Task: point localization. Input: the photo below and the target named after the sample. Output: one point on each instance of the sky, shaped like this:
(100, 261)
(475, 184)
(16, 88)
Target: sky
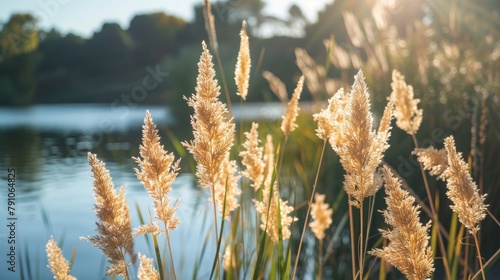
(86, 17)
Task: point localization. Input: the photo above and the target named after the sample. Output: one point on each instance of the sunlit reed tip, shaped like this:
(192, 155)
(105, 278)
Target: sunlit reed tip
(56, 261)
(288, 125)
(322, 216)
(243, 64)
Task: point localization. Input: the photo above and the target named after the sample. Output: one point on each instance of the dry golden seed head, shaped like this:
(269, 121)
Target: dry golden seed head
(433, 160)
(227, 188)
(276, 85)
(462, 191)
(252, 157)
(269, 208)
(157, 173)
(359, 147)
(56, 261)
(213, 132)
(288, 125)
(114, 228)
(409, 249)
(322, 216)
(227, 259)
(243, 64)
(408, 117)
(146, 269)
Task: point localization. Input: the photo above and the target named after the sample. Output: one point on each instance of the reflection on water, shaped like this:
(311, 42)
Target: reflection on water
(48, 148)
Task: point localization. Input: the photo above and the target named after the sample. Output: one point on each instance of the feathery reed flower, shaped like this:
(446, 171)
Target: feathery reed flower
(269, 208)
(227, 259)
(213, 133)
(57, 263)
(360, 148)
(288, 125)
(408, 117)
(322, 215)
(252, 157)
(114, 228)
(433, 160)
(158, 171)
(271, 205)
(462, 191)
(331, 117)
(226, 189)
(408, 249)
(276, 85)
(243, 64)
(146, 269)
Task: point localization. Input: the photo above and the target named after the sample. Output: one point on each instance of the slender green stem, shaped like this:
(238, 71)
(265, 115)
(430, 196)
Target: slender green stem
(466, 256)
(434, 215)
(216, 260)
(158, 257)
(170, 251)
(361, 264)
(474, 233)
(320, 260)
(308, 211)
(351, 227)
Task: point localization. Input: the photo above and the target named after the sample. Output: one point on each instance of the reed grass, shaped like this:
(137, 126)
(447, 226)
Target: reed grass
(260, 195)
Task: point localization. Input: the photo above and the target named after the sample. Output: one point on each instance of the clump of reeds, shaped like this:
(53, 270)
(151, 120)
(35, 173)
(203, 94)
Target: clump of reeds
(409, 249)
(56, 261)
(114, 228)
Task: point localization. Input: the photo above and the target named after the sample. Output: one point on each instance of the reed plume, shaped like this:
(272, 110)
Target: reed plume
(226, 189)
(146, 269)
(288, 125)
(243, 64)
(252, 157)
(276, 85)
(408, 117)
(157, 172)
(271, 204)
(462, 191)
(331, 117)
(56, 261)
(114, 228)
(408, 249)
(227, 259)
(360, 148)
(433, 160)
(269, 208)
(213, 132)
(322, 216)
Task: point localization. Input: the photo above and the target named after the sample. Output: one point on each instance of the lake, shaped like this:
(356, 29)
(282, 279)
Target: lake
(47, 146)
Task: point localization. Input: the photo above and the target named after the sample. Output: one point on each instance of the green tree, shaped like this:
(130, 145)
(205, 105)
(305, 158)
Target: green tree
(20, 57)
(155, 36)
